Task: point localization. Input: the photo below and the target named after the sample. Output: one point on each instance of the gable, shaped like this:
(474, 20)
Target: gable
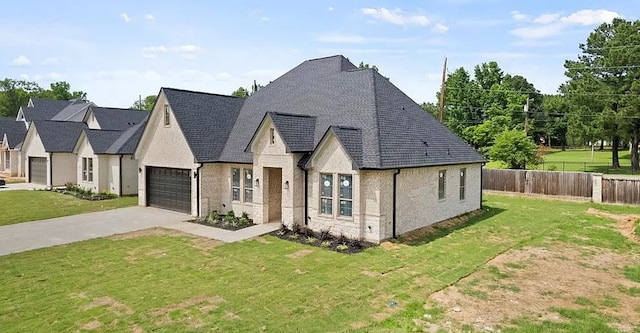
(33, 145)
(163, 146)
(91, 121)
(83, 147)
(261, 143)
(331, 156)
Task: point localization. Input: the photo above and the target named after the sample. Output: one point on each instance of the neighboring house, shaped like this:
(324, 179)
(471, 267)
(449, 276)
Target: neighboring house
(113, 118)
(326, 145)
(105, 160)
(48, 150)
(11, 136)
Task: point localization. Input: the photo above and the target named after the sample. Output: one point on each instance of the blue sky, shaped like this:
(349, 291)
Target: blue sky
(117, 50)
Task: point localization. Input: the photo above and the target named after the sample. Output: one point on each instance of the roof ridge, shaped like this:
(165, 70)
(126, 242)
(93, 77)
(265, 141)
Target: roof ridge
(377, 113)
(114, 108)
(327, 57)
(292, 114)
(199, 92)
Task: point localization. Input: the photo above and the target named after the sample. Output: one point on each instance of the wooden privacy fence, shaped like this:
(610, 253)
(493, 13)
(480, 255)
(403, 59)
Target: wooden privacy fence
(569, 184)
(621, 190)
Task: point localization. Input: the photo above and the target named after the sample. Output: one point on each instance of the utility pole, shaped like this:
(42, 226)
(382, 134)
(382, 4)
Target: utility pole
(526, 116)
(442, 90)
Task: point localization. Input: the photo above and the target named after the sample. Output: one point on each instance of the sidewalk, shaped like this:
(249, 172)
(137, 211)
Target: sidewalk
(223, 235)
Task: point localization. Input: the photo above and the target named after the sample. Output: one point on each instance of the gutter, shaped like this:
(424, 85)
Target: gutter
(50, 170)
(395, 190)
(197, 176)
(481, 193)
(306, 197)
(120, 176)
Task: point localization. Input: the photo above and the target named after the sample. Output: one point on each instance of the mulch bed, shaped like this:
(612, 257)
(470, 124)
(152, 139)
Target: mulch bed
(322, 239)
(222, 224)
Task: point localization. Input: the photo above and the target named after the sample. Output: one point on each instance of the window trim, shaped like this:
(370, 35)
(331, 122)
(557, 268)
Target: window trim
(7, 160)
(321, 197)
(87, 169)
(340, 198)
(442, 185)
(247, 185)
(167, 116)
(233, 186)
(463, 184)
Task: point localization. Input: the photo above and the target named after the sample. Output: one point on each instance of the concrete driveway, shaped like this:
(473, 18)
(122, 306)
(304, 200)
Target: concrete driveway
(63, 230)
(21, 186)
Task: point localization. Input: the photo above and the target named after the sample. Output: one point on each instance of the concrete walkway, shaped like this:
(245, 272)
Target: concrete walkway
(21, 186)
(63, 230)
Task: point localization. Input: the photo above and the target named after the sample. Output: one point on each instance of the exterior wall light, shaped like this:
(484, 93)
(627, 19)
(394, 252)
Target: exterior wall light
(286, 185)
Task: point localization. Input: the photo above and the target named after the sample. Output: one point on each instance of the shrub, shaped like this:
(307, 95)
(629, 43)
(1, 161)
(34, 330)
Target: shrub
(311, 240)
(69, 186)
(342, 247)
(325, 234)
(245, 215)
(214, 216)
(515, 149)
(325, 244)
(231, 216)
(297, 229)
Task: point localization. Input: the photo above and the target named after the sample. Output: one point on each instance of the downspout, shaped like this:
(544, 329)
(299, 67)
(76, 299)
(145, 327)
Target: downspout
(481, 191)
(120, 176)
(198, 189)
(395, 190)
(50, 169)
(306, 197)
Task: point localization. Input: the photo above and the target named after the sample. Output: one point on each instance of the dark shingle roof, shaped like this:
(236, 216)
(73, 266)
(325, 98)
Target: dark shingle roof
(101, 140)
(118, 119)
(393, 128)
(296, 130)
(351, 140)
(114, 142)
(15, 131)
(58, 136)
(205, 120)
(43, 109)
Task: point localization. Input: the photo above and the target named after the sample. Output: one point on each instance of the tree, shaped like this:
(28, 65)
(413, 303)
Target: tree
(515, 149)
(61, 90)
(601, 81)
(241, 92)
(362, 65)
(14, 94)
(555, 112)
(431, 108)
(146, 104)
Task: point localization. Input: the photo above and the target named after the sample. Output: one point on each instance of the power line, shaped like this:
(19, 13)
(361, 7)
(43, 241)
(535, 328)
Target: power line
(538, 92)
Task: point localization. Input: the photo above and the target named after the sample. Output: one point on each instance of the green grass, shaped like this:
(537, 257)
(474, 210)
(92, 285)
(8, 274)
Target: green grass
(253, 286)
(22, 205)
(579, 160)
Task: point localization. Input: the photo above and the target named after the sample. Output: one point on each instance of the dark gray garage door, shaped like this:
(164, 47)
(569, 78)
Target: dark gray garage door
(169, 189)
(38, 170)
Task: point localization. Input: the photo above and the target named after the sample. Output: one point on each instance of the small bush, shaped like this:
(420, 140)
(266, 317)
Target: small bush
(230, 216)
(342, 247)
(214, 216)
(324, 234)
(311, 240)
(297, 229)
(325, 244)
(244, 215)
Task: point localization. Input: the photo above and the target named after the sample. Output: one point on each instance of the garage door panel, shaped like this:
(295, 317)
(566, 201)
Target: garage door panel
(38, 170)
(169, 188)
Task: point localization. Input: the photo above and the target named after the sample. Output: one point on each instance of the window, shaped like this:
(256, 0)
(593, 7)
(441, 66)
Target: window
(272, 136)
(248, 189)
(235, 184)
(463, 182)
(7, 160)
(442, 178)
(346, 195)
(326, 193)
(87, 169)
(167, 115)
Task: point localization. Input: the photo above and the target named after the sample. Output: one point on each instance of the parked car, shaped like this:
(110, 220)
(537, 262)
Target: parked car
(2, 182)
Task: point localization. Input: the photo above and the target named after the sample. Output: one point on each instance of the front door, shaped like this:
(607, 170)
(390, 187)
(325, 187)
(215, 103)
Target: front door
(275, 194)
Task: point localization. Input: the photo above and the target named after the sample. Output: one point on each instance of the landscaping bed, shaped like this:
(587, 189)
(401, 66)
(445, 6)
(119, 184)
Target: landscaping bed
(227, 222)
(322, 238)
(84, 194)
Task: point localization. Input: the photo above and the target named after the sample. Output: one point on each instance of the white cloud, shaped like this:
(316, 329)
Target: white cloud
(188, 52)
(538, 31)
(547, 18)
(154, 49)
(149, 17)
(340, 38)
(395, 16)
(50, 62)
(149, 55)
(330, 8)
(21, 61)
(440, 28)
(516, 15)
(590, 17)
(125, 17)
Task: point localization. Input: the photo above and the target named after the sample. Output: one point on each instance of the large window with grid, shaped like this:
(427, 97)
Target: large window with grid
(248, 189)
(346, 195)
(463, 182)
(326, 193)
(442, 179)
(87, 169)
(235, 184)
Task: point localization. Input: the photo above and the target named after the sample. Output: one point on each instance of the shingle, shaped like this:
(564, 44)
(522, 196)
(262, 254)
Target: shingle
(205, 119)
(15, 131)
(118, 119)
(44, 109)
(296, 130)
(393, 128)
(351, 140)
(127, 142)
(58, 136)
(75, 111)
(101, 140)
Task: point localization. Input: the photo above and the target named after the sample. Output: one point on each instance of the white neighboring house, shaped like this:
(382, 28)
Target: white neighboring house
(11, 136)
(105, 160)
(48, 150)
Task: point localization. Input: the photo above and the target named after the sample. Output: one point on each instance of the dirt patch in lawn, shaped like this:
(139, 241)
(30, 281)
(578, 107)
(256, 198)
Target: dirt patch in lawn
(92, 325)
(204, 304)
(113, 305)
(147, 233)
(625, 223)
(531, 281)
(205, 244)
(299, 254)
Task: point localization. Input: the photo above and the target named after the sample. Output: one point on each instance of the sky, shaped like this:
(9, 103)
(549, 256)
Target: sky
(118, 50)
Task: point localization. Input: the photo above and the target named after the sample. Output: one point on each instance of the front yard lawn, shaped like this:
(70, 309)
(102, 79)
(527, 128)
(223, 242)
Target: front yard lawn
(23, 206)
(520, 249)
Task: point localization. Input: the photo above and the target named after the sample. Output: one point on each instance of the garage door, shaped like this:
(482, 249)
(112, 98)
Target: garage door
(169, 189)
(38, 170)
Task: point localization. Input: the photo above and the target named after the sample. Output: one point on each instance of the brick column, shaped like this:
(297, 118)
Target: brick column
(596, 194)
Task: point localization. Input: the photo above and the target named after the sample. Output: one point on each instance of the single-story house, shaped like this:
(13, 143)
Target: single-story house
(105, 160)
(12, 134)
(113, 118)
(48, 150)
(326, 145)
